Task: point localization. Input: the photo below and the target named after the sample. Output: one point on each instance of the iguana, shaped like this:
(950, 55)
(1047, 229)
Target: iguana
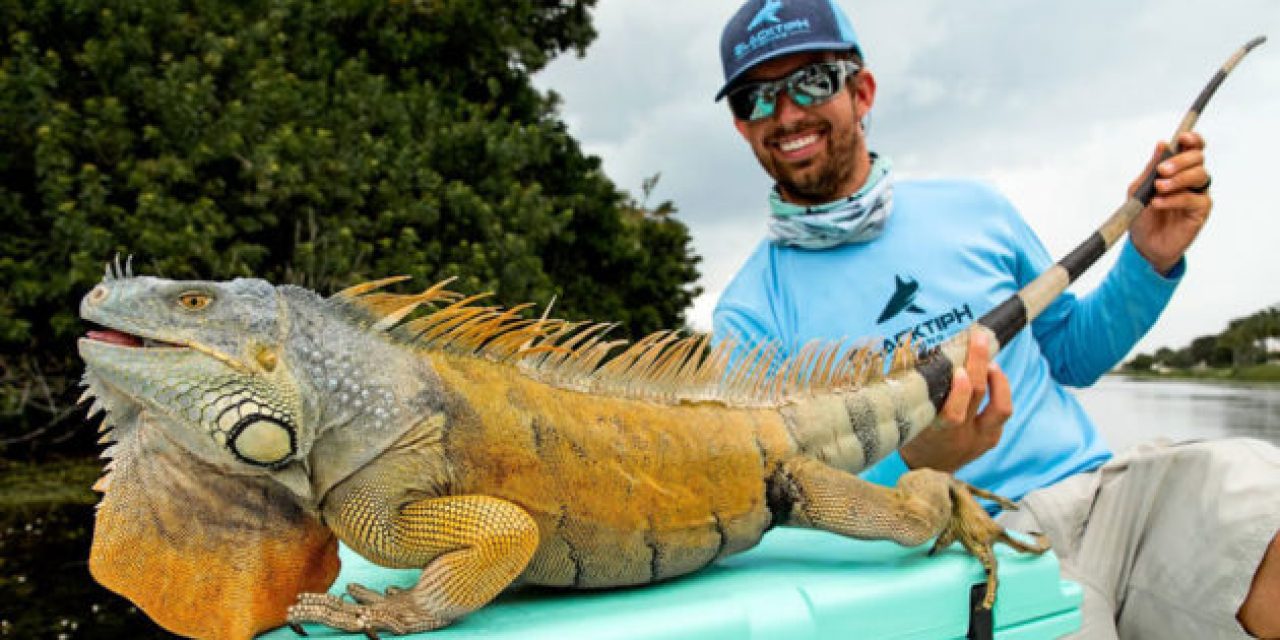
(251, 426)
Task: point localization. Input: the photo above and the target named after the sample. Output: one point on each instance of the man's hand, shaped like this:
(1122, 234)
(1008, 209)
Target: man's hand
(960, 434)
(1165, 229)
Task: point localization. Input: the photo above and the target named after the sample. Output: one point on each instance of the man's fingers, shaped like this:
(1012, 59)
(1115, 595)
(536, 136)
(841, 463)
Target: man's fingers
(1155, 157)
(956, 408)
(1190, 154)
(1183, 161)
(968, 383)
(1192, 178)
(1000, 405)
(976, 366)
(1190, 140)
(1001, 391)
(976, 362)
(1185, 202)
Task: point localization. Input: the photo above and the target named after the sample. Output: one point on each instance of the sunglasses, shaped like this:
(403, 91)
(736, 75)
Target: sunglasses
(810, 85)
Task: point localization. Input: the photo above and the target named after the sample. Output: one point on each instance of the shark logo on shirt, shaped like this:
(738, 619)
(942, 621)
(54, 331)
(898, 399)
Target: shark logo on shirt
(925, 334)
(903, 299)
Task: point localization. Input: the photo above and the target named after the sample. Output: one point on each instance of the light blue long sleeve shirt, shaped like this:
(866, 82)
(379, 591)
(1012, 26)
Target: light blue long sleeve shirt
(950, 252)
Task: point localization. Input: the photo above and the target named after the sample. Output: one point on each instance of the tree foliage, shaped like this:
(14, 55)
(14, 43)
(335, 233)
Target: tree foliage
(315, 142)
(1246, 338)
(1242, 344)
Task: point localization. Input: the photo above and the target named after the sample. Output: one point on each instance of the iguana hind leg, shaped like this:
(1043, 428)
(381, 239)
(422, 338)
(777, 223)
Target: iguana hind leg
(471, 548)
(925, 504)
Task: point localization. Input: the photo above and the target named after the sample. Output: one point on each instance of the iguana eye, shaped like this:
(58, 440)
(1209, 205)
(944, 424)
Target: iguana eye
(194, 300)
(262, 440)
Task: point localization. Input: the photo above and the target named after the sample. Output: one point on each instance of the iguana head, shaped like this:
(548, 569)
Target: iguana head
(232, 408)
(204, 359)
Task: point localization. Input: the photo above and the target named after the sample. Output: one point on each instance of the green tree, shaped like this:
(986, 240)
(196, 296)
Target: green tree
(1207, 349)
(1140, 362)
(1246, 337)
(316, 142)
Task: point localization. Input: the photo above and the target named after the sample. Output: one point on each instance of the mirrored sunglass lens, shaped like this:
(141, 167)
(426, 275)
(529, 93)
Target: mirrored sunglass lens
(803, 99)
(816, 85)
(743, 102)
(764, 106)
(753, 103)
(818, 82)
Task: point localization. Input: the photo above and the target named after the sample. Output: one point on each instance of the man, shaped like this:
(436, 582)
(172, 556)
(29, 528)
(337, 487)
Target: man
(1168, 541)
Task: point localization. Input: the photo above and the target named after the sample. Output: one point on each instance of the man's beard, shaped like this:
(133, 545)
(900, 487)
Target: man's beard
(825, 184)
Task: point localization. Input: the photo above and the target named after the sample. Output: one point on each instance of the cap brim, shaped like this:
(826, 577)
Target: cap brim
(830, 45)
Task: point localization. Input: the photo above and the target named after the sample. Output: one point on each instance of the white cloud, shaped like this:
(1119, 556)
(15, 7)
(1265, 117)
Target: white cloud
(1058, 104)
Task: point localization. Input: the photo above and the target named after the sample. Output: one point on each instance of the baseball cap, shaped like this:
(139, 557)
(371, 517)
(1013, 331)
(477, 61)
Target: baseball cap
(765, 29)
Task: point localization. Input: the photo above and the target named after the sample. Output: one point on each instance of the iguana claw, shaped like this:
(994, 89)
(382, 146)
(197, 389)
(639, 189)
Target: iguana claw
(973, 528)
(372, 612)
(364, 595)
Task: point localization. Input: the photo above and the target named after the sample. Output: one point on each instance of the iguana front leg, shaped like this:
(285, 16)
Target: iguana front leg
(925, 504)
(471, 548)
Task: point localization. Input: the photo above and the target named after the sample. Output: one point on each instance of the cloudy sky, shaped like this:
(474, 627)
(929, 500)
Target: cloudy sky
(1057, 104)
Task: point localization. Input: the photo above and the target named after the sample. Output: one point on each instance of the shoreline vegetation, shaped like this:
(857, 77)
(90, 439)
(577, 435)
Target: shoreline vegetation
(36, 485)
(1260, 373)
(1248, 350)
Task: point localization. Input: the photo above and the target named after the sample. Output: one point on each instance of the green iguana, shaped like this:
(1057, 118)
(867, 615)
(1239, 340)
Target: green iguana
(251, 426)
(254, 423)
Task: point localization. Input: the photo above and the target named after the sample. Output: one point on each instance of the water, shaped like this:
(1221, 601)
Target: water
(1129, 410)
(46, 591)
(45, 587)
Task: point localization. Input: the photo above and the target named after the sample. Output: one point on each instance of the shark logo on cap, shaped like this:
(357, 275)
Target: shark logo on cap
(762, 30)
(767, 13)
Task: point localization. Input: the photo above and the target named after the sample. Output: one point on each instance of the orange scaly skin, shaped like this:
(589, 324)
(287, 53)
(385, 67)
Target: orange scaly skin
(132, 554)
(616, 491)
(624, 491)
(568, 489)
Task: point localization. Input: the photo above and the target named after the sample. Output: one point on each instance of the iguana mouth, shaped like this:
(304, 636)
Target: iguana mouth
(126, 340)
(120, 338)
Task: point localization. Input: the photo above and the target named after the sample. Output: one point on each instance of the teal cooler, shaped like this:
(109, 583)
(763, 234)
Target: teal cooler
(796, 585)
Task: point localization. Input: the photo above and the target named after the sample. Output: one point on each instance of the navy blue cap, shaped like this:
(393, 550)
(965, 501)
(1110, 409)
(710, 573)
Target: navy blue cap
(766, 29)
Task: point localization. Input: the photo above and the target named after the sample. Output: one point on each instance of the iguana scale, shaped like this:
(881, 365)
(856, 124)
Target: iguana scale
(251, 426)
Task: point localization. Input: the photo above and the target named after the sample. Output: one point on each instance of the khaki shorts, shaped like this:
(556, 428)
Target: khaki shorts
(1164, 539)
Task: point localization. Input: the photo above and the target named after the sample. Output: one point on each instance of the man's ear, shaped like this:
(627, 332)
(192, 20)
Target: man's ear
(864, 93)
